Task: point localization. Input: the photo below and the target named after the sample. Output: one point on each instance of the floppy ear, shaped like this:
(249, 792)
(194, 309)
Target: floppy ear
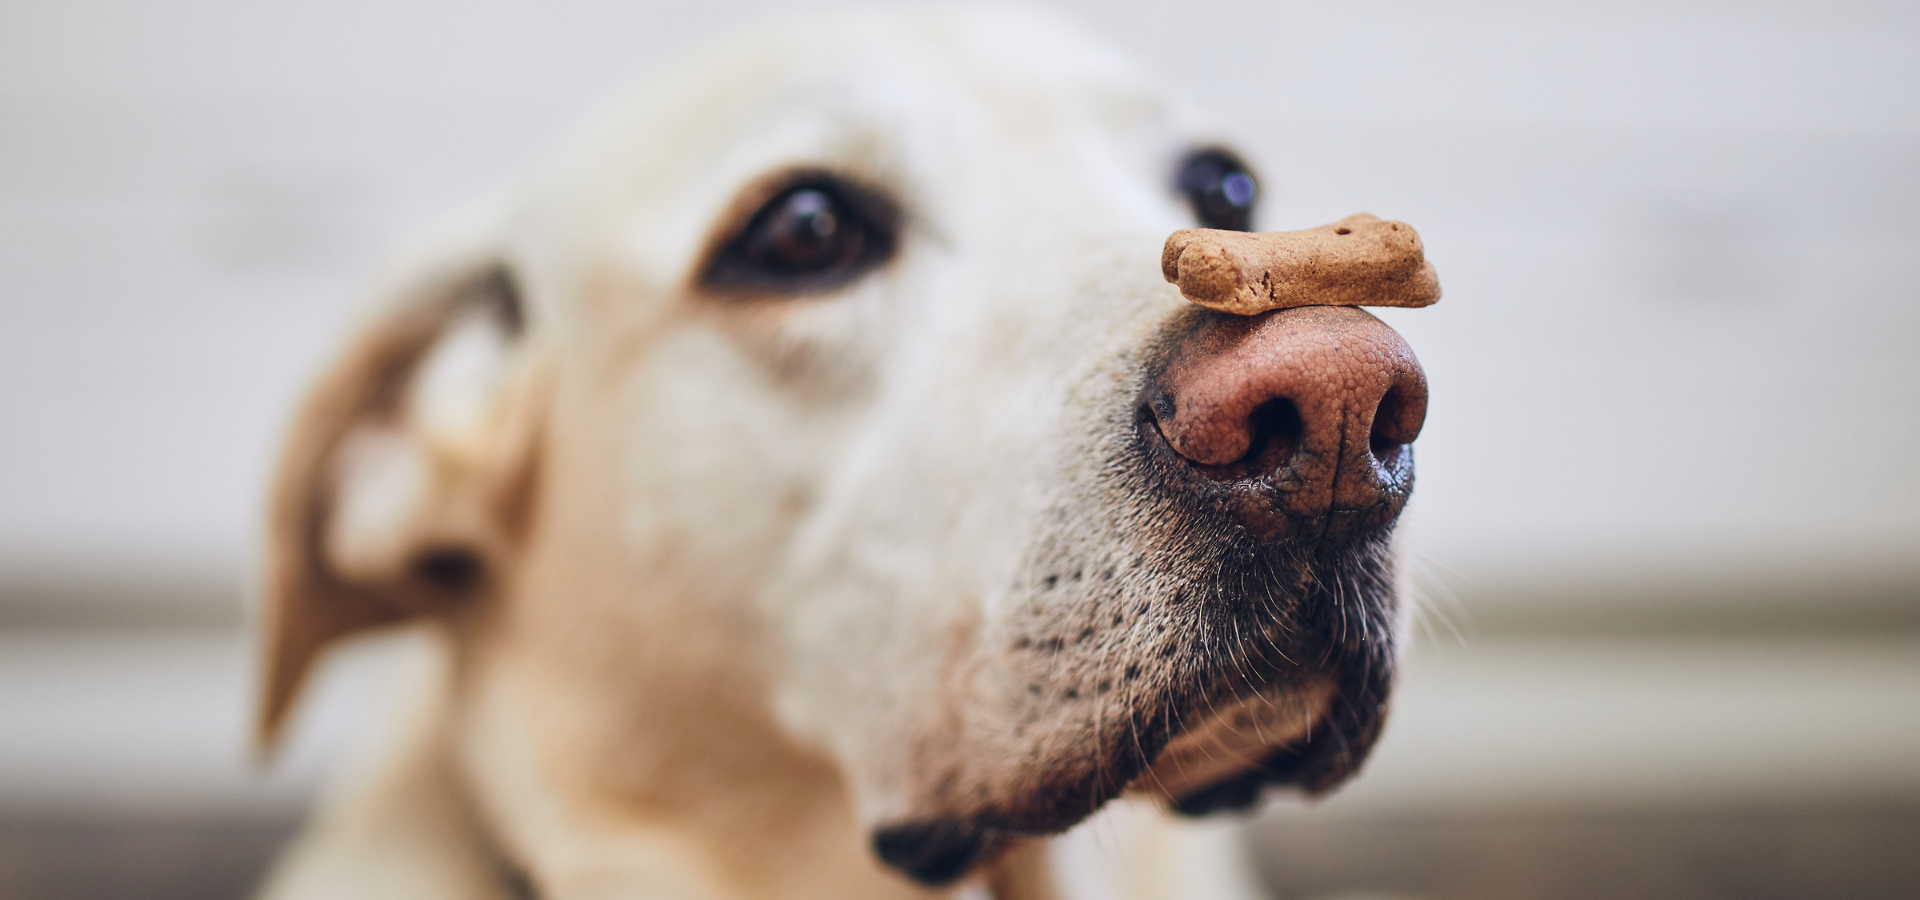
(406, 482)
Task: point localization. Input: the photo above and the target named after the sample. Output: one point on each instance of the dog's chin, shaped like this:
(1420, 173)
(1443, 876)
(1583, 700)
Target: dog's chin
(1226, 759)
(1297, 701)
(1230, 762)
(1237, 739)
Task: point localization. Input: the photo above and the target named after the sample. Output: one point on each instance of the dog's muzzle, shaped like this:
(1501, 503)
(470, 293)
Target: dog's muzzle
(1287, 433)
(1268, 462)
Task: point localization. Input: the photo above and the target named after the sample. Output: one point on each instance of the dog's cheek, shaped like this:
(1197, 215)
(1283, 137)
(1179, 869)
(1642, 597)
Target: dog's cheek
(1043, 725)
(719, 462)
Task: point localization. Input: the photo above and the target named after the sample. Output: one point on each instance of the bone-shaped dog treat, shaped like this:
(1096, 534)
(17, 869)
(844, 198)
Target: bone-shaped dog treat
(1361, 260)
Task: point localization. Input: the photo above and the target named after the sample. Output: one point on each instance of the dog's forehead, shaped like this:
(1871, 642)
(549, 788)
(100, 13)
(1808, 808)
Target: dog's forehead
(920, 104)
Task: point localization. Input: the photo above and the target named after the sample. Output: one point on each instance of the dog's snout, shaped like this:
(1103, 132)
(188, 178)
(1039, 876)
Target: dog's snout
(1313, 406)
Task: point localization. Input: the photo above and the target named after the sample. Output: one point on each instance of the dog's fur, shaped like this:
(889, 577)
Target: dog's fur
(734, 594)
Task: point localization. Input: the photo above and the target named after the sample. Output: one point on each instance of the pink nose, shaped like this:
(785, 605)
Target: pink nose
(1313, 405)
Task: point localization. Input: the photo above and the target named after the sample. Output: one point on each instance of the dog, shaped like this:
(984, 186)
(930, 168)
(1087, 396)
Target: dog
(806, 485)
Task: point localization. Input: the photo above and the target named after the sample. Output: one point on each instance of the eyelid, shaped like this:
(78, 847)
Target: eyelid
(871, 208)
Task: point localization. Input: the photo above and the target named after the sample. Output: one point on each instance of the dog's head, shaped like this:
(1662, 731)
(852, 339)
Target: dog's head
(823, 411)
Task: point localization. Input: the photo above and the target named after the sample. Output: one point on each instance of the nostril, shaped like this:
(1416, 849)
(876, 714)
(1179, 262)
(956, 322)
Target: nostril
(1391, 428)
(1343, 231)
(1162, 406)
(1275, 424)
(1383, 448)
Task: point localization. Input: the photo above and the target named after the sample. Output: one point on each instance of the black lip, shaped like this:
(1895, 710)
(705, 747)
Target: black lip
(934, 853)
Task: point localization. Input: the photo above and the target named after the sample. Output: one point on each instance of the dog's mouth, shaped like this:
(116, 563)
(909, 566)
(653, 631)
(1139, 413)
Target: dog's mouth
(1275, 718)
(1311, 737)
(1296, 699)
(1238, 739)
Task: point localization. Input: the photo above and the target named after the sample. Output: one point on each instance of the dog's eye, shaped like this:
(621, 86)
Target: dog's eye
(1220, 189)
(817, 234)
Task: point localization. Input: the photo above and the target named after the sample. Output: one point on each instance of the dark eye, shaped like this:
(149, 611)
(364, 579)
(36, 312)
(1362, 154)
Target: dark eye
(1220, 189)
(818, 233)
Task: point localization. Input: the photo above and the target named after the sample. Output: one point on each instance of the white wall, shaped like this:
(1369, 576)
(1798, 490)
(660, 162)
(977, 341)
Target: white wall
(1678, 244)
(1674, 368)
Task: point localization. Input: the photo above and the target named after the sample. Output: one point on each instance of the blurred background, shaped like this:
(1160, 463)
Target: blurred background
(1668, 525)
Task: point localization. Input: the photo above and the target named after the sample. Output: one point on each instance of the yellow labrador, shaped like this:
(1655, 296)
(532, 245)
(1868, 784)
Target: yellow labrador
(810, 486)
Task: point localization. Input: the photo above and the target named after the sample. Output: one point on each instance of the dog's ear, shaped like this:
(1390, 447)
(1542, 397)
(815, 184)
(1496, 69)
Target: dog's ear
(406, 482)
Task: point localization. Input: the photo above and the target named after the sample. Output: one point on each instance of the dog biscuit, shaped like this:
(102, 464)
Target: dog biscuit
(1361, 260)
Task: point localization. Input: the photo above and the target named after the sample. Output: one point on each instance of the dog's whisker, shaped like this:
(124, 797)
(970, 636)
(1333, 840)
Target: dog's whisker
(1432, 599)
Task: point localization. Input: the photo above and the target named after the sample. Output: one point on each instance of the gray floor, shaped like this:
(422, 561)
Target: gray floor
(78, 859)
(1771, 855)
(1821, 803)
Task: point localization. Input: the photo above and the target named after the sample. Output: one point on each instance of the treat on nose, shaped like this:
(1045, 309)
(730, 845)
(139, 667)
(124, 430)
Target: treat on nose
(1360, 260)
